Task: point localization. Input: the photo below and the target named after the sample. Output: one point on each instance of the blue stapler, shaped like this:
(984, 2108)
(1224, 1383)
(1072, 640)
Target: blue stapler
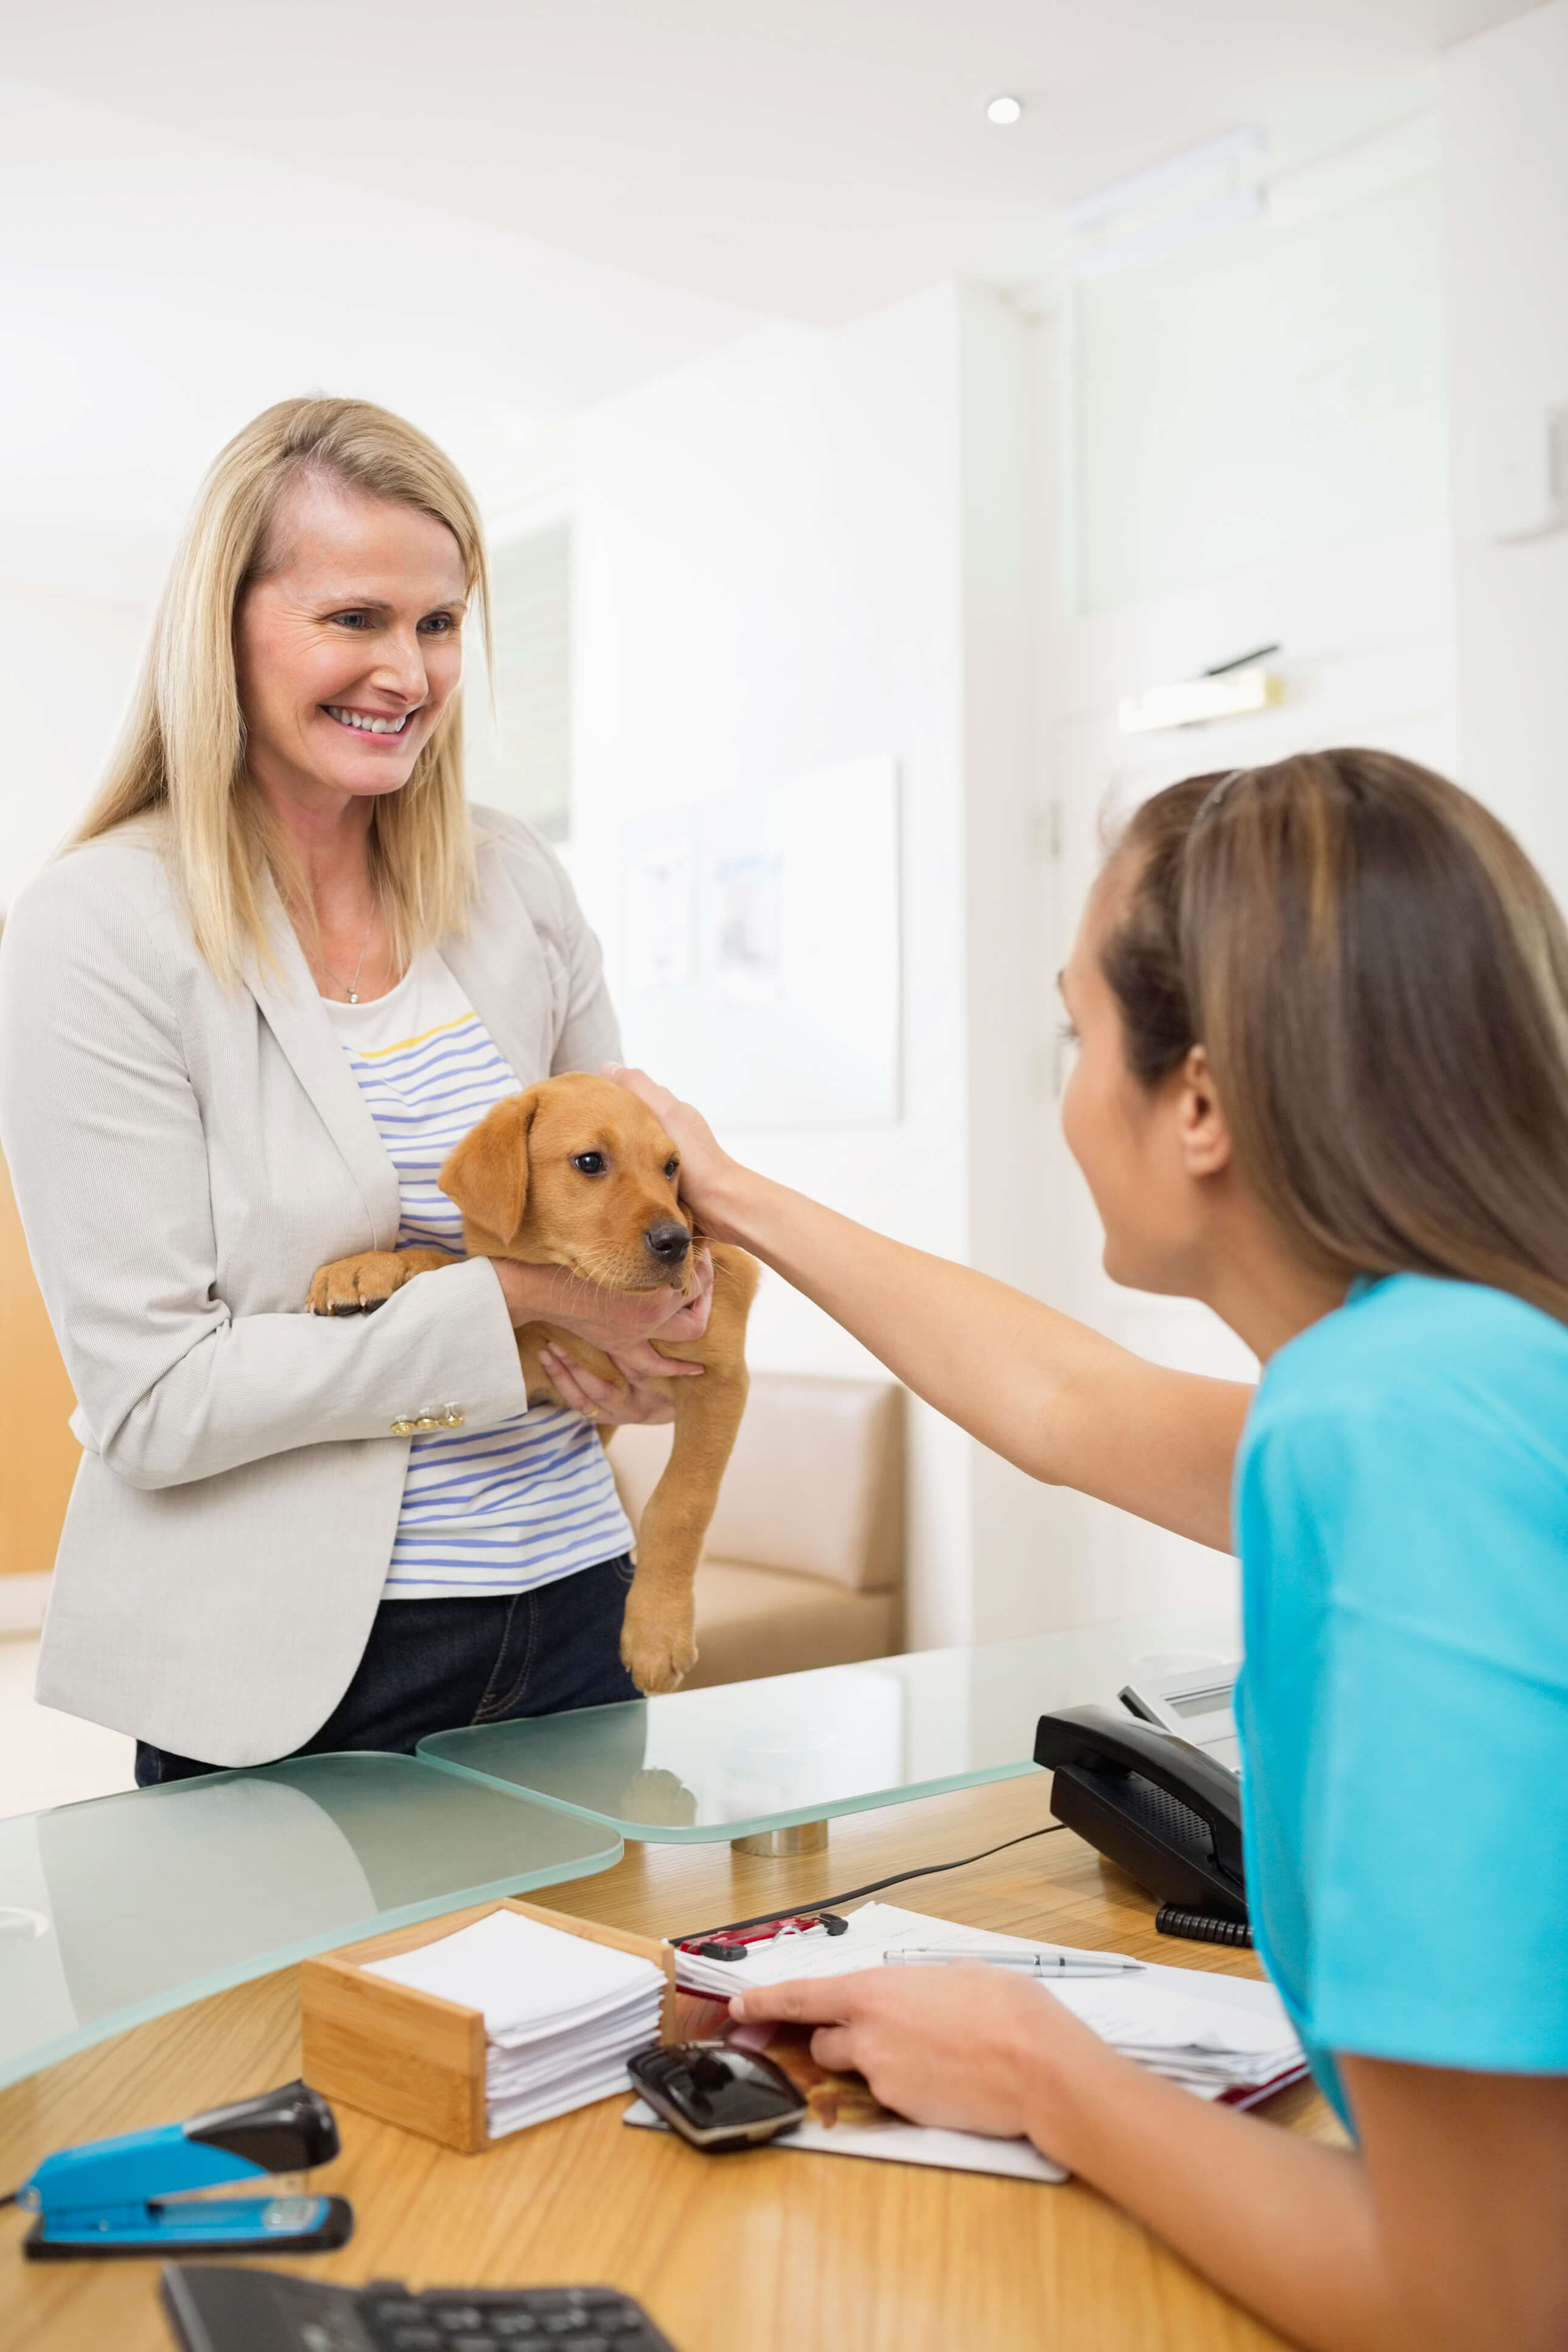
(123, 2195)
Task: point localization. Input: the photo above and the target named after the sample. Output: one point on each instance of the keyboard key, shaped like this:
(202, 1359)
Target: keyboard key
(415, 2339)
(455, 2319)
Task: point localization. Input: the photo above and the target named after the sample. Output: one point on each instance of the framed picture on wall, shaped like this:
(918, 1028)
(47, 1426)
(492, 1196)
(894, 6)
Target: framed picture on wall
(759, 944)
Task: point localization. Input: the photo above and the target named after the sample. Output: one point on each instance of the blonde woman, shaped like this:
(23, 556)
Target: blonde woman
(282, 968)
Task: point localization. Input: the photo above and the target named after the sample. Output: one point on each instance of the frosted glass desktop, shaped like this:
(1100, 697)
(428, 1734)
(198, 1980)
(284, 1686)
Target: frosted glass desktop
(126, 1907)
(743, 1760)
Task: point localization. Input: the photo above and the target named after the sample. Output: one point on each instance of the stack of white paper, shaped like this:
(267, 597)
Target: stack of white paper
(1222, 2036)
(562, 2015)
(1209, 2046)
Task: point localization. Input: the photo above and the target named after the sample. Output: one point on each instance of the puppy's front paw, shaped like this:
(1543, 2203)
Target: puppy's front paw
(658, 1643)
(358, 1286)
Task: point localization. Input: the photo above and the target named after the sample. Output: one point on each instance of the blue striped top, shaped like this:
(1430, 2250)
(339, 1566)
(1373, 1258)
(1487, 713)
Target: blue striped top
(529, 1499)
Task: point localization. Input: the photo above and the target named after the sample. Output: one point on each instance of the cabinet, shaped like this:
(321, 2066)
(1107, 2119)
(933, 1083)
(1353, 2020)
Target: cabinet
(37, 1453)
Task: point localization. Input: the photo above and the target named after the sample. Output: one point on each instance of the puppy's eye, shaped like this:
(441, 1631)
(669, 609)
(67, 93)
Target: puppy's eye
(670, 1165)
(588, 1163)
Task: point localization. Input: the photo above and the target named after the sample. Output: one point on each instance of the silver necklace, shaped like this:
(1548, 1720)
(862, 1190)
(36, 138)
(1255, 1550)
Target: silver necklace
(351, 987)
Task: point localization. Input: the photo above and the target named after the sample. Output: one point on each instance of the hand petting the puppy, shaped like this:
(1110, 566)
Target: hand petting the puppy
(703, 1165)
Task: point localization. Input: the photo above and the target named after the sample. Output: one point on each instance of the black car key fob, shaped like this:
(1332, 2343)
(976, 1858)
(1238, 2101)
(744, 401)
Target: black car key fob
(715, 2096)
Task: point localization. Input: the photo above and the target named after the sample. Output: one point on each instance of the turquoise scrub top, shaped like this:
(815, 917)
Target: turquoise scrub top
(1401, 1508)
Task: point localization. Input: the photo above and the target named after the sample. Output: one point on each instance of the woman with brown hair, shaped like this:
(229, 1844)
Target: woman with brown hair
(1322, 1085)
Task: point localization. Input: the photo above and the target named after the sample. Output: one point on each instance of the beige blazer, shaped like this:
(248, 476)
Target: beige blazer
(184, 1157)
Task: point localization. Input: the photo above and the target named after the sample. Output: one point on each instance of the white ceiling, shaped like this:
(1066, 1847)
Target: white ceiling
(157, 290)
(806, 157)
(494, 214)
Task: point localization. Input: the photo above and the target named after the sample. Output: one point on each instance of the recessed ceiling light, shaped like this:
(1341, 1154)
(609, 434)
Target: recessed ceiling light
(1004, 109)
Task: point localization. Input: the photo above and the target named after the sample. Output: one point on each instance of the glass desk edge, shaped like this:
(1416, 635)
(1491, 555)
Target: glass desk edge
(821, 1809)
(20, 2066)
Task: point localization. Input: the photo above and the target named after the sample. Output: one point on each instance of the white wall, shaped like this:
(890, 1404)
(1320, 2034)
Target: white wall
(67, 664)
(155, 291)
(1505, 114)
(802, 549)
(1270, 390)
(1254, 451)
(1011, 504)
(938, 534)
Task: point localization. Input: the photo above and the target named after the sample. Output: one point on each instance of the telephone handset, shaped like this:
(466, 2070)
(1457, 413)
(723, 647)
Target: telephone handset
(1161, 1808)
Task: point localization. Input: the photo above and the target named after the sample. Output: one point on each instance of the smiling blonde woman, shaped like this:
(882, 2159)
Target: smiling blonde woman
(282, 970)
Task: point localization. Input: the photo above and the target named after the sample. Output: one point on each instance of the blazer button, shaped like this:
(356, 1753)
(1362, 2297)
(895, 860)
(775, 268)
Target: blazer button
(450, 1417)
(403, 1429)
(426, 1421)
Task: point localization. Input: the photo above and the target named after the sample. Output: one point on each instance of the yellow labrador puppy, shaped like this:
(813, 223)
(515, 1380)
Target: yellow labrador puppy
(577, 1172)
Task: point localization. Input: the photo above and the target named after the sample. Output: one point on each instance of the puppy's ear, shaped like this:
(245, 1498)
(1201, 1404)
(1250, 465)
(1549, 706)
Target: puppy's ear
(487, 1173)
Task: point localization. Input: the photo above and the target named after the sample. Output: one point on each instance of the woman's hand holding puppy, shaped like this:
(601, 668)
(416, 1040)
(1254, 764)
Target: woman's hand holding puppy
(621, 1322)
(637, 1396)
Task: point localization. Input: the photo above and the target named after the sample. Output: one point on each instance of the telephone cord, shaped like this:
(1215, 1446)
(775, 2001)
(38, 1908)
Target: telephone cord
(851, 1894)
(1198, 1927)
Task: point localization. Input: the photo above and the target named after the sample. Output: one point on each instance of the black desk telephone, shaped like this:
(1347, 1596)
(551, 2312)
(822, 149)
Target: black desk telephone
(1166, 1811)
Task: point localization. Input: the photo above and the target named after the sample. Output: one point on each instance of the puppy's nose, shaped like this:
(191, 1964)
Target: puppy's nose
(669, 1243)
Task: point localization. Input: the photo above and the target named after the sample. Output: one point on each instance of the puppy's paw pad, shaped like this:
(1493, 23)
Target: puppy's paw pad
(657, 1661)
(356, 1286)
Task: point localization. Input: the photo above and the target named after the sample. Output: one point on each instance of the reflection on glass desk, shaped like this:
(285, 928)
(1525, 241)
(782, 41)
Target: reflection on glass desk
(118, 1909)
(743, 1758)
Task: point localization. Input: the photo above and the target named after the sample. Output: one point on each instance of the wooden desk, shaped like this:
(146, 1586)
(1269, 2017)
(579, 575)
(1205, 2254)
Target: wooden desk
(767, 2251)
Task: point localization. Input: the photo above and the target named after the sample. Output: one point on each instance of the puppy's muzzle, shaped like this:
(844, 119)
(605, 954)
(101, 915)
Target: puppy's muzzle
(669, 1244)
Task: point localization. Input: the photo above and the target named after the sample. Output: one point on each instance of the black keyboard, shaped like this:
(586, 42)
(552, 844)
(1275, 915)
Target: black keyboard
(221, 2308)
(577, 2318)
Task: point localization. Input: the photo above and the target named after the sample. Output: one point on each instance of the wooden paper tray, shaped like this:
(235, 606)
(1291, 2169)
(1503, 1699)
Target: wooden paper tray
(412, 2058)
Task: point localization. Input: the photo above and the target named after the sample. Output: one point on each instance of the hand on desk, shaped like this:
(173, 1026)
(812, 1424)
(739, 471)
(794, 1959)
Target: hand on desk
(1445, 2230)
(965, 2049)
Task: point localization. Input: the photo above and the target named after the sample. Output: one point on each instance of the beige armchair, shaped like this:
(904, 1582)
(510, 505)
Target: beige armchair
(805, 1560)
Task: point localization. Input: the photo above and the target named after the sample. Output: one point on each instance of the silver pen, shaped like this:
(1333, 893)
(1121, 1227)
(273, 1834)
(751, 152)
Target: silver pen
(1035, 1964)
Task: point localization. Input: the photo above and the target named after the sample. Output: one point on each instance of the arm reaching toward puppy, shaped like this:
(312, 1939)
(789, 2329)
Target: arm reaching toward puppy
(1062, 1401)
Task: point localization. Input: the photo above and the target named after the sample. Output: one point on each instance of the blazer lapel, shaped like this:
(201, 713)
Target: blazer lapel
(510, 991)
(292, 1010)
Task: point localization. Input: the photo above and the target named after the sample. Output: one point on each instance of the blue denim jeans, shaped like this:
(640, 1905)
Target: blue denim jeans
(440, 1665)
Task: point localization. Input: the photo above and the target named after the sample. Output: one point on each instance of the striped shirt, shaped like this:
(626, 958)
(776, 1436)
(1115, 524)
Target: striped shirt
(529, 1499)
